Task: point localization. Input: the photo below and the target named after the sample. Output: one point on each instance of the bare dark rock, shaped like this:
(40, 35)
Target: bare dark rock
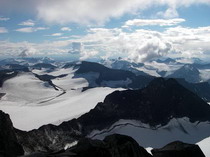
(178, 149)
(9, 147)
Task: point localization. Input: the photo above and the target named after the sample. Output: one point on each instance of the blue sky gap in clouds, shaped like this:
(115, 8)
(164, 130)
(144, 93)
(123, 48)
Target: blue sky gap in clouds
(137, 30)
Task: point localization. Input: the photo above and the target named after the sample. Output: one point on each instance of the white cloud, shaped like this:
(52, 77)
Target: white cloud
(169, 13)
(65, 29)
(137, 45)
(90, 11)
(100, 11)
(85, 54)
(3, 30)
(4, 18)
(31, 29)
(29, 51)
(55, 35)
(28, 23)
(14, 49)
(152, 22)
(76, 48)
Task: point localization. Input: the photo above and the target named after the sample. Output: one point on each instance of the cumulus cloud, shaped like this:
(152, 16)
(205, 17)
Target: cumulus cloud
(150, 49)
(76, 47)
(4, 18)
(138, 45)
(14, 49)
(85, 54)
(90, 11)
(100, 11)
(27, 23)
(169, 13)
(28, 52)
(65, 29)
(3, 30)
(152, 22)
(55, 35)
(30, 29)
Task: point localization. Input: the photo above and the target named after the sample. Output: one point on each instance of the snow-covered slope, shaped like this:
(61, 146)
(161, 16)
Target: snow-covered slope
(31, 104)
(156, 137)
(26, 89)
(205, 145)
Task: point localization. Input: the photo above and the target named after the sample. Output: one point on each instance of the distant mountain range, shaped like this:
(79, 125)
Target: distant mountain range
(155, 102)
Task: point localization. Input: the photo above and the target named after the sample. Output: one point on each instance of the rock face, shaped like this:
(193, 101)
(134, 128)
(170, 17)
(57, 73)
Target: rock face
(105, 74)
(189, 72)
(112, 146)
(178, 149)
(124, 146)
(9, 147)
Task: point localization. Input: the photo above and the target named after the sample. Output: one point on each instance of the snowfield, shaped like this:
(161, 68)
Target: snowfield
(31, 104)
(156, 137)
(26, 89)
(205, 145)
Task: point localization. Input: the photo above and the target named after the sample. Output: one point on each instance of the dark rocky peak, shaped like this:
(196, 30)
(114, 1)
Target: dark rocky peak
(156, 103)
(6, 74)
(202, 89)
(167, 60)
(189, 72)
(47, 60)
(86, 67)
(17, 67)
(112, 146)
(121, 145)
(43, 65)
(178, 149)
(69, 65)
(9, 147)
(105, 74)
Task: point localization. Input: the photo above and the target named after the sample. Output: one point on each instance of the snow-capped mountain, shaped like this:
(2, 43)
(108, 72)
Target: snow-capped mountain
(163, 111)
(143, 105)
(188, 72)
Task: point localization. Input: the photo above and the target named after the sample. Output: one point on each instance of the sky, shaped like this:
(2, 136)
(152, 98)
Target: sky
(136, 30)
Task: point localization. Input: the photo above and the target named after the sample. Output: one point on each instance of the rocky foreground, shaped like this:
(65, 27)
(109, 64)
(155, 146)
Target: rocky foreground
(112, 146)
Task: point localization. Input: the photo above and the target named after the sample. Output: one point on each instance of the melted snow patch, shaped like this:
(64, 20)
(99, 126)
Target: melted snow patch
(69, 145)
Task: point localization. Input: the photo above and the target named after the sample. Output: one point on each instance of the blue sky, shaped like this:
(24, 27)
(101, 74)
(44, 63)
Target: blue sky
(137, 30)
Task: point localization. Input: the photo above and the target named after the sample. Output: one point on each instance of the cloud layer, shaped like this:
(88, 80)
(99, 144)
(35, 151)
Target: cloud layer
(153, 22)
(91, 11)
(140, 45)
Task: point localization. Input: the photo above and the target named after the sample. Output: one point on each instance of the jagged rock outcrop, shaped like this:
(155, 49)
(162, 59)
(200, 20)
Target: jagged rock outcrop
(178, 149)
(112, 146)
(9, 147)
(124, 146)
